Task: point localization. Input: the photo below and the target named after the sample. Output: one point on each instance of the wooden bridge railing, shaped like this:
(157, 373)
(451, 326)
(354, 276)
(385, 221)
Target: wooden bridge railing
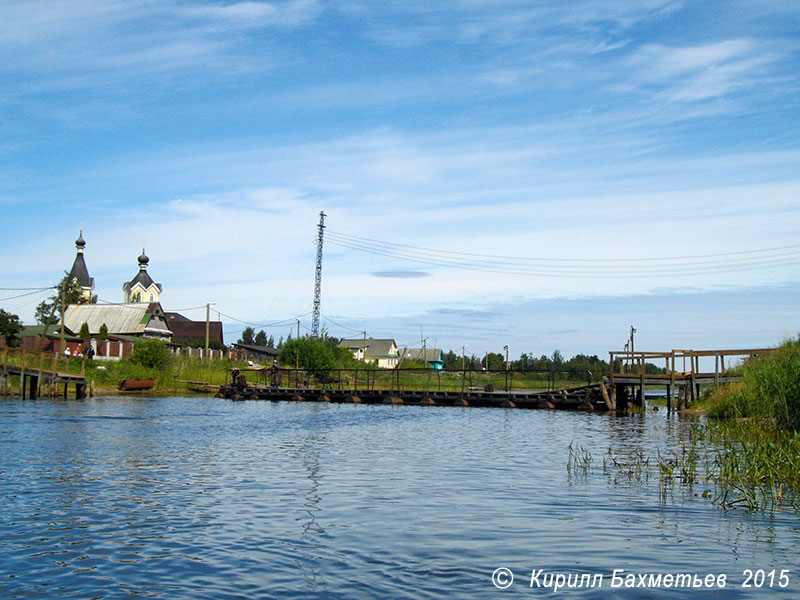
(679, 365)
(43, 363)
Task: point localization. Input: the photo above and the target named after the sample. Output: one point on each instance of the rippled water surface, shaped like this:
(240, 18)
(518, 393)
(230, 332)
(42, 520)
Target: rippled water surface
(205, 498)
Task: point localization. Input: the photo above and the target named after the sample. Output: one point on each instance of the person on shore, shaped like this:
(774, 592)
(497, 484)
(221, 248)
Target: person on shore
(276, 374)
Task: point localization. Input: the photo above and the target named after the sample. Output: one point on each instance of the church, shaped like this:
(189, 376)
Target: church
(79, 272)
(139, 315)
(142, 288)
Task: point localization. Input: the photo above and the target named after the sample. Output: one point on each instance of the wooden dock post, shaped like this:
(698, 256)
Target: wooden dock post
(22, 377)
(608, 398)
(642, 383)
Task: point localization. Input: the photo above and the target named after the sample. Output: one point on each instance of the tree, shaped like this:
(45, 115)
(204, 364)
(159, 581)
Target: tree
(345, 360)
(103, 333)
(313, 355)
(452, 361)
(247, 336)
(149, 352)
(49, 311)
(495, 362)
(10, 326)
(271, 342)
(84, 332)
(261, 338)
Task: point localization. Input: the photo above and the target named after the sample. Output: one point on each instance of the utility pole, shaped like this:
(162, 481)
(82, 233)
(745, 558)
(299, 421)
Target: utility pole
(463, 368)
(208, 322)
(298, 328)
(208, 318)
(318, 277)
(63, 294)
(506, 349)
(633, 330)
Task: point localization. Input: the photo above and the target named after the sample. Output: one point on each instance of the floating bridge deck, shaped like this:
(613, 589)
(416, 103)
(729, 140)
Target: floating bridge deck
(630, 374)
(588, 397)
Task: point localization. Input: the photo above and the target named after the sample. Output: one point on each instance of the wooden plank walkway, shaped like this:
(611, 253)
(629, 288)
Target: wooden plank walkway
(682, 372)
(622, 388)
(39, 369)
(587, 397)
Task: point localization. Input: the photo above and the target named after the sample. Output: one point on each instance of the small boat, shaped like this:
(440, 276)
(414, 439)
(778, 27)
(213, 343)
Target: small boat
(135, 385)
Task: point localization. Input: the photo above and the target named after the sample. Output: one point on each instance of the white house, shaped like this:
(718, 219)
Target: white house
(384, 353)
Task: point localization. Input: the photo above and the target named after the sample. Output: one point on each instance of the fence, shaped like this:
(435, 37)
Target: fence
(424, 379)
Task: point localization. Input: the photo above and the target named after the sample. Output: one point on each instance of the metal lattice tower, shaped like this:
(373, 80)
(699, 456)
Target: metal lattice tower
(318, 277)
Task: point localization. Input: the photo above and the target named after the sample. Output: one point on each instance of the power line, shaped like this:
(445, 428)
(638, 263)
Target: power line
(264, 325)
(697, 265)
(187, 309)
(329, 320)
(795, 247)
(38, 291)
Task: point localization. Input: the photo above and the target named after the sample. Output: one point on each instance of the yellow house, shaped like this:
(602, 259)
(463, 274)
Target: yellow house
(142, 288)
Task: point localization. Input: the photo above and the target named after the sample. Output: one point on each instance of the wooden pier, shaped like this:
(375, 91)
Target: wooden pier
(683, 377)
(40, 372)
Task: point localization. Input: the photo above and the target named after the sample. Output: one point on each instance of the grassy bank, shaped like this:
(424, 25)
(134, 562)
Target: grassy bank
(173, 377)
(769, 390)
(757, 427)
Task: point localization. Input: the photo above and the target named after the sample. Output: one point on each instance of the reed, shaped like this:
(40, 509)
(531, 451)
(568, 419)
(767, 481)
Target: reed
(738, 464)
(579, 460)
(769, 389)
(756, 466)
(634, 466)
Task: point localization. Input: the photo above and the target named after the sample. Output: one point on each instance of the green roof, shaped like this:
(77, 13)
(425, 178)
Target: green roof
(375, 348)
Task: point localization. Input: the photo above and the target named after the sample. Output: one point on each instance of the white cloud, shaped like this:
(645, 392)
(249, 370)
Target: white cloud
(698, 73)
(251, 14)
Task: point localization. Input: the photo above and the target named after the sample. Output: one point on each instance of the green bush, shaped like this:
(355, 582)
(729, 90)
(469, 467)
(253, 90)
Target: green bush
(313, 355)
(150, 353)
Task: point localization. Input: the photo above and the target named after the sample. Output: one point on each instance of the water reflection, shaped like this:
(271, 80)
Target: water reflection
(214, 499)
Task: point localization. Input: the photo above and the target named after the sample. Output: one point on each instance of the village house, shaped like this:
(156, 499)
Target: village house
(433, 356)
(383, 353)
(193, 333)
(263, 355)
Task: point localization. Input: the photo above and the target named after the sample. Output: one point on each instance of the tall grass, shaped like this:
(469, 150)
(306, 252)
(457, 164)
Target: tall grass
(756, 465)
(769, 389)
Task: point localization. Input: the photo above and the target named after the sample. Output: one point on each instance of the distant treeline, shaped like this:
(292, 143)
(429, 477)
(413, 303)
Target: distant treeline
(577, 367)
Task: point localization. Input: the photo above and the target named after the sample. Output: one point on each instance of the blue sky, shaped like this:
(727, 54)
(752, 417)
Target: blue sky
(493, 172)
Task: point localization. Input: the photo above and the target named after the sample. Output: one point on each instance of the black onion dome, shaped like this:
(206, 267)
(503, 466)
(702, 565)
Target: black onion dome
(80, 242)
(143, 260)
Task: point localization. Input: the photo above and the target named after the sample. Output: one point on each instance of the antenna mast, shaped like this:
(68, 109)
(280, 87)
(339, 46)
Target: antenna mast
(318, 277)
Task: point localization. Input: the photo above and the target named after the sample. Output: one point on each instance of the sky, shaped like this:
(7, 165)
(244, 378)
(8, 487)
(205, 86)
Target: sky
(540, 175)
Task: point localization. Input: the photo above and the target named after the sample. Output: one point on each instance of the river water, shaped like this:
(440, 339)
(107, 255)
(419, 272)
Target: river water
(203, 498)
